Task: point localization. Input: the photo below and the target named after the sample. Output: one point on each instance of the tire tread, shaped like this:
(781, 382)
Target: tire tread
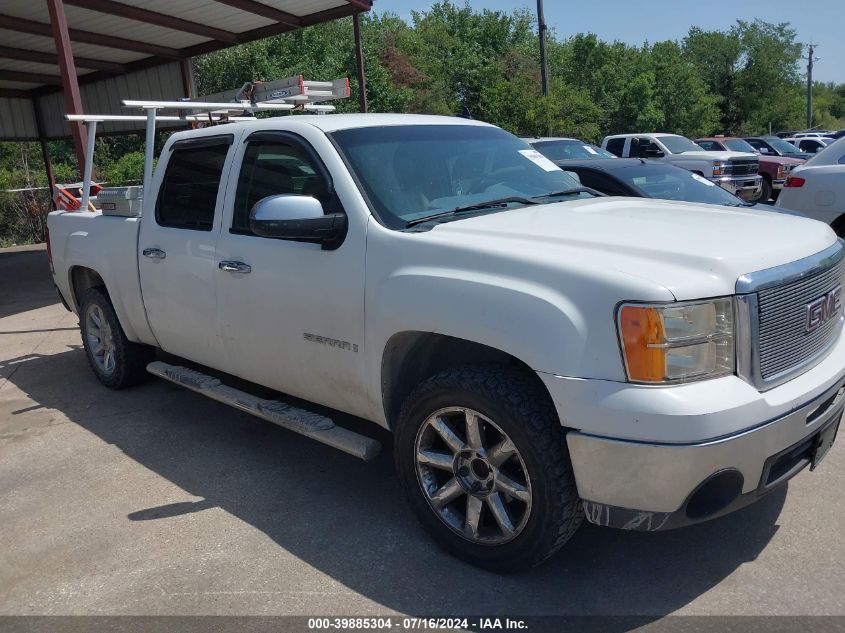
(525, 396)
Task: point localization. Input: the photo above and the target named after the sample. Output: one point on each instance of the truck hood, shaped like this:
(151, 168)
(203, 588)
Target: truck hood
(719, 155)
(768, 159)
(691, 250)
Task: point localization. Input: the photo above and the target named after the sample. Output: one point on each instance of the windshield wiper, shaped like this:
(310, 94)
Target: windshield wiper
(569, 192)
(478, 206)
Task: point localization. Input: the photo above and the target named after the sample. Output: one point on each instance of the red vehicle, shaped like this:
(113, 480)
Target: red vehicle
(773, 169)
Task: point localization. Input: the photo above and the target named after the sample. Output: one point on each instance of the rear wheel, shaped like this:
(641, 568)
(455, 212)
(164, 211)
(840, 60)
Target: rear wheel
(116, 361)
(483, 461)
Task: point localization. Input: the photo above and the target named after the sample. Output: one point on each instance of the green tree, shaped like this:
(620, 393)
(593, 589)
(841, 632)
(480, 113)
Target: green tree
(680, 93)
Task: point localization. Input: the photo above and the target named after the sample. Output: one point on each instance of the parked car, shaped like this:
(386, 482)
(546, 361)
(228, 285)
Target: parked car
(810, 145)
(734, 171)
(776, 146)
(565, 149)
(639, 178)
(773, 169)
(541, 355)
(837, 134)
(817, 188)
(812, 134)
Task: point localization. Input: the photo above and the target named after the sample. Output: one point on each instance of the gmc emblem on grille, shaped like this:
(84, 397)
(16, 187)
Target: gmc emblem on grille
(824, 309)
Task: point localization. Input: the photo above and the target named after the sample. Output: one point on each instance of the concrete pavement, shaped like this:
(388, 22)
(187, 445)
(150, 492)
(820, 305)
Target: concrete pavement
(155, 500)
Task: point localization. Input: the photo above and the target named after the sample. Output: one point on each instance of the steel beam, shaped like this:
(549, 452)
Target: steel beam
(266, 11)
(73, 101)
(30, 78)
(45, 149)
(154, 17)
(363, 5)
(14, 93)
(85, 37)
(41, 57)
(188, 83)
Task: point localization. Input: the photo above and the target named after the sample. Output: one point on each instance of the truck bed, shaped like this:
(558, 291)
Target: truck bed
(107, 245)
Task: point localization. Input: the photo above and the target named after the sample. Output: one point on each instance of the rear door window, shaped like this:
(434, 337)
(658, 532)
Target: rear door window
(188, 195)
(616, 146)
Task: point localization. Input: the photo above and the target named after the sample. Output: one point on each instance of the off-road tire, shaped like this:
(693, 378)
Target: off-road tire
(130, 359)
(517, 402)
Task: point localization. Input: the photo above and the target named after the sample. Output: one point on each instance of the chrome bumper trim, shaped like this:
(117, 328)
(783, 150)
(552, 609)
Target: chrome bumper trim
(651, 477)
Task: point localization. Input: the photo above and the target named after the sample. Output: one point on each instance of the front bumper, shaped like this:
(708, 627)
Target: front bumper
(640, 454)
(748, 188)
(636, 486)
(778, 184)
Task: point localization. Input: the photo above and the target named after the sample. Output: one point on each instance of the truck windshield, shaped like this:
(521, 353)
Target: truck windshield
(784, 147)
(570, 149)
(413, 171)
(679, 144)
(740, 145)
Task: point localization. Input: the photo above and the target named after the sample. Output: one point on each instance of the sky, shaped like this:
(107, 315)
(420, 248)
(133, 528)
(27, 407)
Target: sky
(818, 22)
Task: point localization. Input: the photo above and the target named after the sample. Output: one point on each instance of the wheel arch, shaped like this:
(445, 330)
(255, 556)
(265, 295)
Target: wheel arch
(82, 278)
(410, 357)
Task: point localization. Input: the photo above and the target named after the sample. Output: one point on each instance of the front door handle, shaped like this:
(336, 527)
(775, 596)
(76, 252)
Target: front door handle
(234, 267)
(154, 253)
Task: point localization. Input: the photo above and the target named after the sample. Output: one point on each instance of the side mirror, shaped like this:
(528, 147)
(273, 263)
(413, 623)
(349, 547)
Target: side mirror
(654, 153)
(298, 218)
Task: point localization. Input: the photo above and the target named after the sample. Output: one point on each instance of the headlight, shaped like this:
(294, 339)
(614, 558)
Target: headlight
(677, 342)
(720, 168)
(782, 171)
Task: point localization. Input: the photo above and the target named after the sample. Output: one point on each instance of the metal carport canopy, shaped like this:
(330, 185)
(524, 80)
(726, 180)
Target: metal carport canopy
(59, 56)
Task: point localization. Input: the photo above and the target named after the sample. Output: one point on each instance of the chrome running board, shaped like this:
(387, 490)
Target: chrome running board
(307, 423)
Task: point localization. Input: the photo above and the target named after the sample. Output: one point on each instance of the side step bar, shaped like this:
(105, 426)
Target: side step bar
(313, 425)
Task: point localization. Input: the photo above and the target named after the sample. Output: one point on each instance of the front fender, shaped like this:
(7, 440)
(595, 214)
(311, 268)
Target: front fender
(541, 327)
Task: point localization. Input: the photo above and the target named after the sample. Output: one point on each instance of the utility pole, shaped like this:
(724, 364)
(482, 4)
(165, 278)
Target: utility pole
(810, 60)
(544, 70)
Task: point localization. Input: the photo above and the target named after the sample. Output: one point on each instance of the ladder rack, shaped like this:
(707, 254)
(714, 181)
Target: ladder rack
(292, 93)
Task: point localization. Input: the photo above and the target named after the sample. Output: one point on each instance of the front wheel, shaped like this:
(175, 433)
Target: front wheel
(766, 192)
(482, 458)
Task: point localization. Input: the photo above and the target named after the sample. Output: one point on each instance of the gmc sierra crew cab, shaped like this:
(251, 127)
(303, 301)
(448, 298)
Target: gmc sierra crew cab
(737, 172)
(542, 354)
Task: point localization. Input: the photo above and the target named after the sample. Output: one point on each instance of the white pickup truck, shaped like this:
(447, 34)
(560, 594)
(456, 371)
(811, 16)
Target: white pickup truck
(542, 354)
(736, 172)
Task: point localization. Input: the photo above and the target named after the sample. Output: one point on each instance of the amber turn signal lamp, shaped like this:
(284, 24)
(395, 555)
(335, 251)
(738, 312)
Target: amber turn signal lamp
(642, 337)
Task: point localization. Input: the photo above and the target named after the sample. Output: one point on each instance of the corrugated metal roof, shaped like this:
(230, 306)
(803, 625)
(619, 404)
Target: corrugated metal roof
(145, 74)
(123, 27)
(212, 13)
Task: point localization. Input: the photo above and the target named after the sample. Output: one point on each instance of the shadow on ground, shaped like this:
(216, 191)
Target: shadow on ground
(347, 518)
(26, 282)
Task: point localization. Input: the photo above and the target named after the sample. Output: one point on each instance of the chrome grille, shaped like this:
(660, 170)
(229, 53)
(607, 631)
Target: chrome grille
(784, 342)
(743, 167)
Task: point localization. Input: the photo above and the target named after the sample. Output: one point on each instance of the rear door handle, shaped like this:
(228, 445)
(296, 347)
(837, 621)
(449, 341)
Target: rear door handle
(154, 253)
(234, 267)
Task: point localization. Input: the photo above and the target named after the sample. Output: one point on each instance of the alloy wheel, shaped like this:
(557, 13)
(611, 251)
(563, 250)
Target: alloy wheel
(472, 476)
